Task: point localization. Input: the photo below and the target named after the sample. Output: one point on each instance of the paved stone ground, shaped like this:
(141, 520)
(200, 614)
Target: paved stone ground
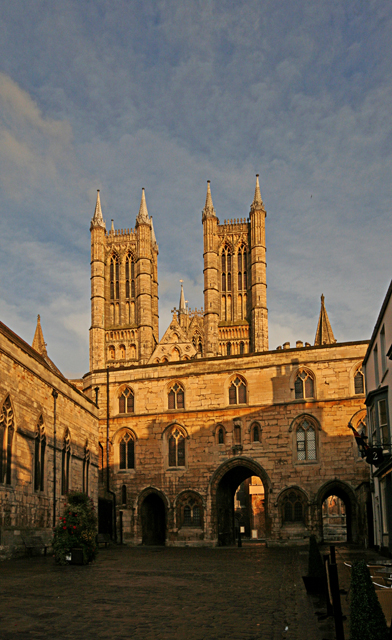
(159, 593)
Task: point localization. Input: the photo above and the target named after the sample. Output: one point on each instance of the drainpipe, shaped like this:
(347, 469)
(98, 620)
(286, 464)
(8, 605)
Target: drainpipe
(55, 396)
(107, 457)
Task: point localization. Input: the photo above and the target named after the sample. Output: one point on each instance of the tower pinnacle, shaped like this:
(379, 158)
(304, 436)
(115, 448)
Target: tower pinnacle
(39, 343)
(208, 211)
(182, 306)
(142, 216)
(97, 220)
(324, 333)
(257, 201)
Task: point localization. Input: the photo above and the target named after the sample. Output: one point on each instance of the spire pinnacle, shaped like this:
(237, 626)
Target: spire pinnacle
(39, 343)
(208, 211)
(97, 220)
(112, 227)
(153, 238)
(257, 200)
(324, 333)
(182, 306)
(143, 213)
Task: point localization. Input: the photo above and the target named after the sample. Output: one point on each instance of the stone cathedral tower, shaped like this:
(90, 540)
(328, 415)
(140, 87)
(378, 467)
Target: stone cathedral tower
(235, 285)
(124, 291)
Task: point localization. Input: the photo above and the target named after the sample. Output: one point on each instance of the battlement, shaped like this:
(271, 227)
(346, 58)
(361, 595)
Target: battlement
(120, 232)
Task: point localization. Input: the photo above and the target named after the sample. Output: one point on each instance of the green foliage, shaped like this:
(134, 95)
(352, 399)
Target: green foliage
(367, 621)
(315, 566)
(77, 528)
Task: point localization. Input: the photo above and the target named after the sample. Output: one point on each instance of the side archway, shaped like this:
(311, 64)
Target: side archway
(347, 495)
(153, 508)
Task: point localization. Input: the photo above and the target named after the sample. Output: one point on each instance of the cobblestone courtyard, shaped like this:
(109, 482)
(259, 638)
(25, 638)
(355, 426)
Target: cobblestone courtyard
(153, 593)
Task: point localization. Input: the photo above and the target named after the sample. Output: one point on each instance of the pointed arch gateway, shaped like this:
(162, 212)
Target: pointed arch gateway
(223, 486)
(342, 491)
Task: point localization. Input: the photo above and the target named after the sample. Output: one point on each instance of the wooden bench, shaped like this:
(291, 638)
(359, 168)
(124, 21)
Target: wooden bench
(34, 542)
(103, 538)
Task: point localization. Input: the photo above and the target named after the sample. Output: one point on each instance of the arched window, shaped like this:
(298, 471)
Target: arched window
(176, 448)
(124, 494)
(7, 429)
(237, 434)
(293, 508)
(304, 385)
(86, 468)
(237, 392)
(114, 278)
(126, 401)
(256, 432)
(129, 276)
(112, 353)
(122, 351)
(39, 456)
(226, 268)
(65, 463)
(228, 348)
(242, 348)
(242, 268)
(221, 435)
(127, 452)
(359, 386)
(306, 441)
(190, 511)
(176, 397)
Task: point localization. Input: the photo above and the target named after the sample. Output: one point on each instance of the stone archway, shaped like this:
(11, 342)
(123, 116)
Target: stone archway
(153, 518)
(347, 496)
(223, 486)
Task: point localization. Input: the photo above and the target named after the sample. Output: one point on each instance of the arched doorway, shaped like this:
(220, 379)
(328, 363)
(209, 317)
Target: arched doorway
(153, 520)
(232, 507)
(340, 498)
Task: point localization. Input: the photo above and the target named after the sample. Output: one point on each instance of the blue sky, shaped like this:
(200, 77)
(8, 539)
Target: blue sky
(120, 95)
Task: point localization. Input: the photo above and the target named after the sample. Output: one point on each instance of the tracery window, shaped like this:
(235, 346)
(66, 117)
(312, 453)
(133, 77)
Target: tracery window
(126, 401)
(39, 456)
(176, 397)
(306, 441)
(242, 269)
(7, 429)
(226, 259)
(293, 507)
(304, 385)
(114, 278)
(237, 392)
(127, 451)
(129, 276)
(191, 514)
(359, 386)
(176, 448)
(65, 463)
(86, 468)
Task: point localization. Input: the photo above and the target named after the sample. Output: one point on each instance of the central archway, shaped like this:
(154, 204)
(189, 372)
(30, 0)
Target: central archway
(153, 520)
(342, 491)
(224, 484)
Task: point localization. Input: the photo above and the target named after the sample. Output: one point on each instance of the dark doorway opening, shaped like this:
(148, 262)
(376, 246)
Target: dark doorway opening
(153, 517)
(240, 503)
(105, 516)
(340, 503)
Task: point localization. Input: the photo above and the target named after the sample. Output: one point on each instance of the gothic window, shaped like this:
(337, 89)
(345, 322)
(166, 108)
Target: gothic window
(39, 456)
(176, 397)
(190, 511)
(124, 494)
(255, 432)
(122, 351)
(86, 468)
(304, 385)
(306, 441)
(241, 263)
(237, 392)
(112, 353)
(293, 507)
(228, 348)
(7, 429)
(359, 381)
(114, 278)
(221, 435)
(242, 348)
(127, 452)
(65, 463)
(129, 276)
(126, 401)
(226, 259)
(176, 448)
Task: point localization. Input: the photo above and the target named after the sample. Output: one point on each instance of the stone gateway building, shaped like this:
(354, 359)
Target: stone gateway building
(207, 430)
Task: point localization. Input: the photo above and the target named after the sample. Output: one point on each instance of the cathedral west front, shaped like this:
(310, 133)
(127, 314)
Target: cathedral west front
(205, 429)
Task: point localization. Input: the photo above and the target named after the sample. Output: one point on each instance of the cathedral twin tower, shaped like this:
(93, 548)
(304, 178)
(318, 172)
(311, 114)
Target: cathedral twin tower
(124, 288)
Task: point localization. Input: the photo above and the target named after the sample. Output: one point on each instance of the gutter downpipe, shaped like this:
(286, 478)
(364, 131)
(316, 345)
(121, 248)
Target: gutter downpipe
(55, 396)
(107, 457)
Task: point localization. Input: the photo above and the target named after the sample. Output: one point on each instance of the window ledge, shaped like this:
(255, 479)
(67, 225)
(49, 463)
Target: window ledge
(306, 462)
(176, 469)
(124, 415)
(126, 471)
